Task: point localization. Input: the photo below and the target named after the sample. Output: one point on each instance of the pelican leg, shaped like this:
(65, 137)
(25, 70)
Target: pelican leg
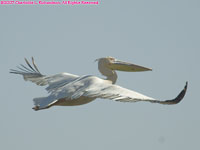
(36, 108)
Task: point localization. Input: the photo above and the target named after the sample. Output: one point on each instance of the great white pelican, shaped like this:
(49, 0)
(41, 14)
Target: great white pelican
(69, 90)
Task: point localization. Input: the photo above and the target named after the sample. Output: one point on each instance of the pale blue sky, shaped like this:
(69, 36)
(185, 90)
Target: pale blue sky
(163, 35)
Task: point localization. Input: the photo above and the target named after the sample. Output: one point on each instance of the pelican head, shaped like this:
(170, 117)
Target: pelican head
(108, 65)
(114, 64)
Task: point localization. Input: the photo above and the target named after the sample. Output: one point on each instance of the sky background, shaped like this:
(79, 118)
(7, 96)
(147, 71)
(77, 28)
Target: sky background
(163, 35)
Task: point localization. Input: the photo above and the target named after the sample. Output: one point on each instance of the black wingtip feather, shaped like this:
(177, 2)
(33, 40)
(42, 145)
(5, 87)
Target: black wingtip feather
(33, 62)
(30, 70)
(29, 65)
(178, 98)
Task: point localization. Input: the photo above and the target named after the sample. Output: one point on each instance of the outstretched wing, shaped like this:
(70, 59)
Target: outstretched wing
(32, 73)
(93, 87)
(118, 93)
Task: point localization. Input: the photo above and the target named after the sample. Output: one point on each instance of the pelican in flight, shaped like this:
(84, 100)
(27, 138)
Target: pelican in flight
(69, 90)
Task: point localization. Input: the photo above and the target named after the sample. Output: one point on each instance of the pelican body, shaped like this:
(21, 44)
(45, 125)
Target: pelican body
(70, 90)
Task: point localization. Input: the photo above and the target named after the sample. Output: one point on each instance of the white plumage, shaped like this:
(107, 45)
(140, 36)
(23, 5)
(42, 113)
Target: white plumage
(69, 90)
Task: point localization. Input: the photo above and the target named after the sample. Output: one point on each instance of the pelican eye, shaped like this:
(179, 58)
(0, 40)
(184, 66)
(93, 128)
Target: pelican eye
(111, 59)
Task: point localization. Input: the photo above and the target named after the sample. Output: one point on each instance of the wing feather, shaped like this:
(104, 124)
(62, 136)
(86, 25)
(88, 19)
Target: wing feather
(117, 93)
(93, 87)
(32, 73)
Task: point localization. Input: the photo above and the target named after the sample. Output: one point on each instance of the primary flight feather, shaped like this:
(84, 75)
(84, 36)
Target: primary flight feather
(69, 90)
